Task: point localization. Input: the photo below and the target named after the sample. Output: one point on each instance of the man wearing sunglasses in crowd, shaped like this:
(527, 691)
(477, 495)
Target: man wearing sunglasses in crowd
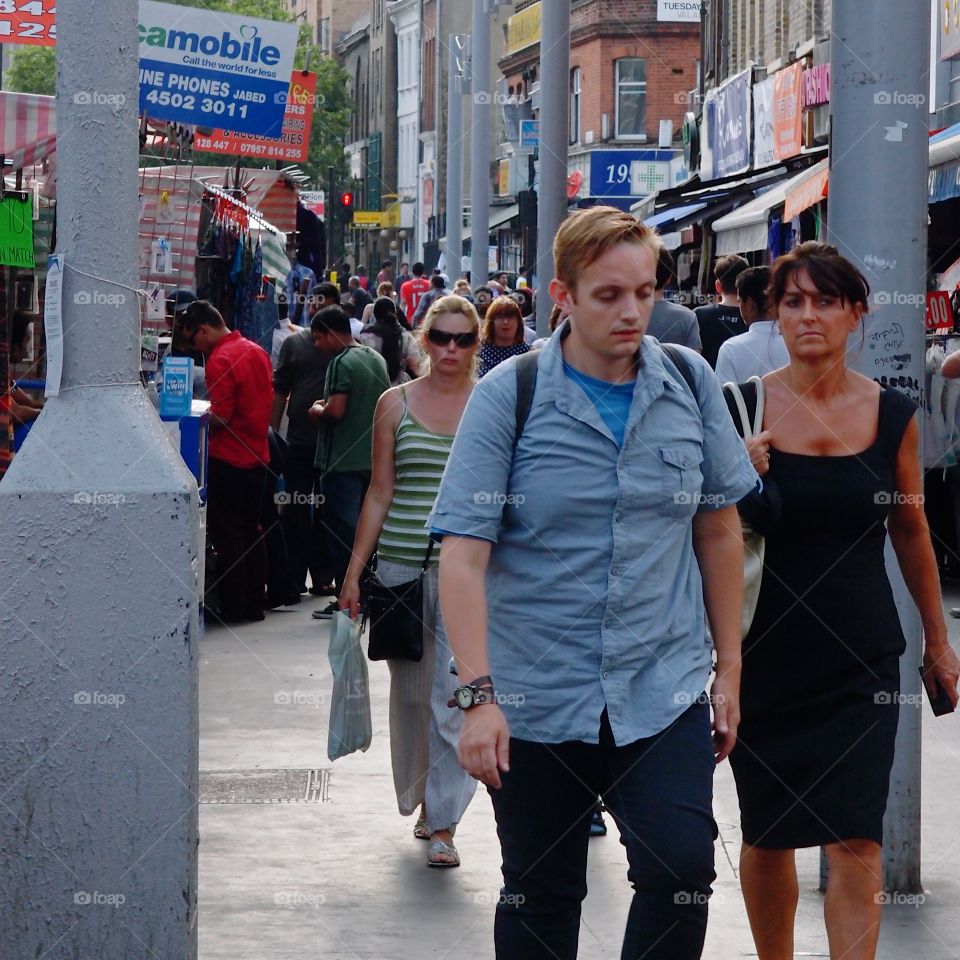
(356, 377)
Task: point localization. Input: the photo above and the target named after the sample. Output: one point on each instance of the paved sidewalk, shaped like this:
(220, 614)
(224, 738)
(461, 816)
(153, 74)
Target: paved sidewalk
(340, 877)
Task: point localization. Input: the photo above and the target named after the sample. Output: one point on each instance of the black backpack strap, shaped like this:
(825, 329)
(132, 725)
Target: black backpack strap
(526, 387)
(680, 362)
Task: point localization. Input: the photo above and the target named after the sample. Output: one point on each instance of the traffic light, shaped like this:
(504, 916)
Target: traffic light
(346, 200)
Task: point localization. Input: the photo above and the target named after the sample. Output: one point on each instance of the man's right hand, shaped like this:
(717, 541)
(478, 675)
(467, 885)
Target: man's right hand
(485, 744)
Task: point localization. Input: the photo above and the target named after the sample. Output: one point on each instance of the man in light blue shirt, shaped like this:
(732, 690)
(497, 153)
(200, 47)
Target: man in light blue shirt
(761, 349)
(573, 575)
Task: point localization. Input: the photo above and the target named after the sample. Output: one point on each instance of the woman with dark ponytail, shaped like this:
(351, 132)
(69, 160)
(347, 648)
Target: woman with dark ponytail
(397, 346)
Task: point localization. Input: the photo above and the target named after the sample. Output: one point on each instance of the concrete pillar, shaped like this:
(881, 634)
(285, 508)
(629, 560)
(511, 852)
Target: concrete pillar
(99, 560)
(554, 137)
(480, 143)
(454, 199)
(878, 218)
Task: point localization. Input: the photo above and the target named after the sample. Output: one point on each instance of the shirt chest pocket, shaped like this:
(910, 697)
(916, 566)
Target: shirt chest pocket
(681, 478)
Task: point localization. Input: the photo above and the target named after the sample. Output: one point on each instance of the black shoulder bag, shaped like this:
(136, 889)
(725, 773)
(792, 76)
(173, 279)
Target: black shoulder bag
(395, 615)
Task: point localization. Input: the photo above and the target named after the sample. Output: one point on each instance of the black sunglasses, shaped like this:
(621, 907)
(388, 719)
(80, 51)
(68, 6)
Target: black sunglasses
(443, 338)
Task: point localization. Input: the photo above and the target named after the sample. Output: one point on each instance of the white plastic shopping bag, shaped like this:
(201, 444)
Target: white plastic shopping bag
(350, 725)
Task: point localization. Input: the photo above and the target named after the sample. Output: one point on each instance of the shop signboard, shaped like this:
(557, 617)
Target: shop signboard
(313, 200)
(949, 29)
(816, 86)
(764, 154)
(611, 171)
(730, 126)
(367, 218)
(523, 29)
(293, 146)
(16, 231)
(939, 311)
(788, 111)
(679, 11)
(529, 134)
(28, 21)
(204, 67)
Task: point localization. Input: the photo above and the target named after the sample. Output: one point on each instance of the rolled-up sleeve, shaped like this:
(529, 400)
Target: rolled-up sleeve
(475, 483)
(728, 475)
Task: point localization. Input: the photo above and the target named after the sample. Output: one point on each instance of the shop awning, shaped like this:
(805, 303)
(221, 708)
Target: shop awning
(664, 220)
(805, 193)
(498, 217)
(944, 180)
(28, 127)
(745, 229)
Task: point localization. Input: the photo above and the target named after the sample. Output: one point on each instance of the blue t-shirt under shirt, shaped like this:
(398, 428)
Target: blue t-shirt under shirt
(612, 400)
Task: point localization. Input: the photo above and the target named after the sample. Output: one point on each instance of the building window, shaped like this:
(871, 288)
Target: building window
(575, 105)
(631, 122)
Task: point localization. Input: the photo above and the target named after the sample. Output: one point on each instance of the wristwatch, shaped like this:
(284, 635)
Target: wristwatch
(474, 694)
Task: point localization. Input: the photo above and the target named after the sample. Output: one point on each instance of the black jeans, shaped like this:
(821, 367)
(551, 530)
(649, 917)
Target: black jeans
(659, 791)
(233, 522)
(303, 523)
(343, 493)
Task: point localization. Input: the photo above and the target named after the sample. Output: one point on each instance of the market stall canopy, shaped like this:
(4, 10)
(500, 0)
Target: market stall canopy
(944, 181)
(745, 228)
(28, 128)
(171, 209)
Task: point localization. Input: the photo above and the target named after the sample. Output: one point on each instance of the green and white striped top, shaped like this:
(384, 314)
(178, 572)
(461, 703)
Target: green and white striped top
(419, 457)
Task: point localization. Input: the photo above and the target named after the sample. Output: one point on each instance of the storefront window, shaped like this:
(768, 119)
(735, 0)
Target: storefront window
(575, 105)
(631, 99)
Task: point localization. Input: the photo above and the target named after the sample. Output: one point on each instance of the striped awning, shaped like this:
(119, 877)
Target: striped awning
(28, 127)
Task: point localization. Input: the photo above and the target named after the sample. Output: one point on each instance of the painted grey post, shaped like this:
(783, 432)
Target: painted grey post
(480, 142)
(878, 218)
(454, 206)
(554, 129)
(99, 554)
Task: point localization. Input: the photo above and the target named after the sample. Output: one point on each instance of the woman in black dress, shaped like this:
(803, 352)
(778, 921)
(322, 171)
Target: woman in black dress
(502, 335)
(821, 673)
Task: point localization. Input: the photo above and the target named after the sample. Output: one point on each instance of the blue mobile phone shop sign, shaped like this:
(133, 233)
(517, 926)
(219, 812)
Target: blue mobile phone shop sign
(210, 69)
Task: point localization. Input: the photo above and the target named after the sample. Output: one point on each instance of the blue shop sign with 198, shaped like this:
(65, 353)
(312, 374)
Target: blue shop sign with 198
(611, 171)
(212, 69)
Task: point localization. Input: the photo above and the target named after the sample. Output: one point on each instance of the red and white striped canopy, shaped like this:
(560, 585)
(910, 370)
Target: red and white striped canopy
(28, 127)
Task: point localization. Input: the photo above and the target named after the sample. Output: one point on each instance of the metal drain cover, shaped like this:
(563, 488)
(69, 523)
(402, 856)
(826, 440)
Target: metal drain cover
(265, 786)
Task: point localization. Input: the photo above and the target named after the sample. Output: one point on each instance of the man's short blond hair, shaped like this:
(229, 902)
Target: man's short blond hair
(587, 235)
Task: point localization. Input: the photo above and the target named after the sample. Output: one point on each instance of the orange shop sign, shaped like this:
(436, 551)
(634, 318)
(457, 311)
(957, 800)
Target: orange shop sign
(294, 143)
(788, 111)
(28, 21)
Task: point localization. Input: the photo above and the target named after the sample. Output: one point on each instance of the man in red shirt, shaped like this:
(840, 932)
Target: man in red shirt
(412, 290)
(240, 387)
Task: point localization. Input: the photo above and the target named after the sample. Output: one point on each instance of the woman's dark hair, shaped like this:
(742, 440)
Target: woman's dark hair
(387, 327)
(830, 272)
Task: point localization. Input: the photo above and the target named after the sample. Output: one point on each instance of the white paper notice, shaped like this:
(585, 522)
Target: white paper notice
(53, 324)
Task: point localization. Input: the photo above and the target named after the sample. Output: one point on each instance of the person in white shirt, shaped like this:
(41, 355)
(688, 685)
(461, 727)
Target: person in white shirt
(761, 349)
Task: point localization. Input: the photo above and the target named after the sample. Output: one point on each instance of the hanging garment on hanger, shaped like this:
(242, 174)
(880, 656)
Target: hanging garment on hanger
(935, 428)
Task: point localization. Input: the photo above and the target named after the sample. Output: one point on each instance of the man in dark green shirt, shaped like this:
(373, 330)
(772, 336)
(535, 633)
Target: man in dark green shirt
(356, 377)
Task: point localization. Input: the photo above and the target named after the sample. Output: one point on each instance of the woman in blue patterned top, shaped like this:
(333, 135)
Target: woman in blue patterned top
(502, 334)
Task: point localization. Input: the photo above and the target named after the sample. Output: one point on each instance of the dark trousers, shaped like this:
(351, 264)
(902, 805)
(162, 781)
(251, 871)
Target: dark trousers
(233, 524)
(659, 791)
(343, 494)
(303, 523)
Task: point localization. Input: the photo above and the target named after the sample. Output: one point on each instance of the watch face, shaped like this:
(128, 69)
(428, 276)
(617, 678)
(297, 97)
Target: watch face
(464, 697)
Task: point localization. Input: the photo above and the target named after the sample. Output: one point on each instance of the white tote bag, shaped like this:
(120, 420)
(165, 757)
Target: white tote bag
(753, 543)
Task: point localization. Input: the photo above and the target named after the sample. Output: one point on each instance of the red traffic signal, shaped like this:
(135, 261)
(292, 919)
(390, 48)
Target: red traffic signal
(346, 200)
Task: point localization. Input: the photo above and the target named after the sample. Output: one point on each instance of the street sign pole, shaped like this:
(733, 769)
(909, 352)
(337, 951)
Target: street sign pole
(553, 146)
(480, 143)
(454, 206)
(100, 552)
(878, 218)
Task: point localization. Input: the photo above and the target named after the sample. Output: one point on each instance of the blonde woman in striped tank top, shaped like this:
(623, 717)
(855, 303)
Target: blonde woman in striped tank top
(413, 432)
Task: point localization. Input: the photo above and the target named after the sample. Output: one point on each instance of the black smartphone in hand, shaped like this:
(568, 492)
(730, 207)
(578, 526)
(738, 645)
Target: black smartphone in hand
(941, 703)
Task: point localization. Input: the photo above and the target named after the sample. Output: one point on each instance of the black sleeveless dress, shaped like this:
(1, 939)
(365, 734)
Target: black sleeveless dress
(821, 676)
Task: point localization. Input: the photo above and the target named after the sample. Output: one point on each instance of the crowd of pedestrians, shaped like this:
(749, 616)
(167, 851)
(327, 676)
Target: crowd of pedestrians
(587, 492)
